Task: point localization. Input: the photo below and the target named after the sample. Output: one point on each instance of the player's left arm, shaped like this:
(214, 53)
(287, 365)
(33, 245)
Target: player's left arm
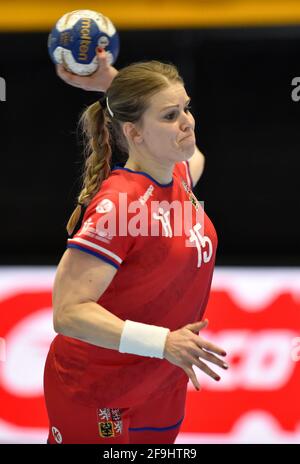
(196, 164)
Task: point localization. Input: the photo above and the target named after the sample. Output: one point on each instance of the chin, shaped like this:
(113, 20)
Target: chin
(188, 152)
(184, 156)
(184, 153)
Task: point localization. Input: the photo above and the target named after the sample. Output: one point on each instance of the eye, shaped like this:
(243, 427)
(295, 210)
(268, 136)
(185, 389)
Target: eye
(188, 108)
(171, 115)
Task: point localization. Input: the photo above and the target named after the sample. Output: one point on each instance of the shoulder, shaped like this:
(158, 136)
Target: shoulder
(101, 231)
(112, 193)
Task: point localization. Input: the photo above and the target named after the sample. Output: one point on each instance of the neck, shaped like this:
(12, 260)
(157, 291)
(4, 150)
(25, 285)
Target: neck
(162, 174)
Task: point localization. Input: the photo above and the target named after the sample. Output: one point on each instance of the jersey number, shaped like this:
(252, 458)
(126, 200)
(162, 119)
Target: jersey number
(203, 244)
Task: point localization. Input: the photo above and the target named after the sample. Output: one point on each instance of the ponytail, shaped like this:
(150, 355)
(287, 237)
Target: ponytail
(93, 122)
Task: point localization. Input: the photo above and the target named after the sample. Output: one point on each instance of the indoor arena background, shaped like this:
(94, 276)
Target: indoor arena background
(240, 61)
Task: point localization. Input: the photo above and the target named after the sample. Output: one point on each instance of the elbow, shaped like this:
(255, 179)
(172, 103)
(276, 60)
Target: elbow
(65, 320)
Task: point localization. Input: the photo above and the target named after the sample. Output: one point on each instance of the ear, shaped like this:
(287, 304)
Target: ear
(132, 133)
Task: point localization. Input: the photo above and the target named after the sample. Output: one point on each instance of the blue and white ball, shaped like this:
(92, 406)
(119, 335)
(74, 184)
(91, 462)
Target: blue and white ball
(75, 37)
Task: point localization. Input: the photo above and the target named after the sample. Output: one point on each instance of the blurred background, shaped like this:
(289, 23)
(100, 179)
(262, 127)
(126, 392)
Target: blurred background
(238, 59)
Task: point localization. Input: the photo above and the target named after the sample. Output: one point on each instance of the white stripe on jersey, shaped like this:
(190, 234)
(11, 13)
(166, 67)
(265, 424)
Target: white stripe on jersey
(96, 247)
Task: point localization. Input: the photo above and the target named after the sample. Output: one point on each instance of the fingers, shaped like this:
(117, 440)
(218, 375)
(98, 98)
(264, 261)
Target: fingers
(192, 376)
(201, 365)
(207, 370)
(197, 326)
(210, 347)
(213, 359)
(102, 58)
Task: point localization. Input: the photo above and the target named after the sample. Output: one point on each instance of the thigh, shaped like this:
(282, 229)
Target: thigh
(159, 419)
(72, 423)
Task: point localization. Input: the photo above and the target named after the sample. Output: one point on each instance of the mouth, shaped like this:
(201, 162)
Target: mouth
(187, 137)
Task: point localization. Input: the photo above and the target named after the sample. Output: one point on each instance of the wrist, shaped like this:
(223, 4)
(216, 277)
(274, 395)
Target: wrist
(143, 339)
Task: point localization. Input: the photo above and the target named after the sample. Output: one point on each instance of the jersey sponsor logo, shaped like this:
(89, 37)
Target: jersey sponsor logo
(89, 229)
(56, 435)
(105, 206)
(110, 424)
(149, 192)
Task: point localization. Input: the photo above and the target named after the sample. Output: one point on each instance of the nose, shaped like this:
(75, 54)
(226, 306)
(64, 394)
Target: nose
(187, 122)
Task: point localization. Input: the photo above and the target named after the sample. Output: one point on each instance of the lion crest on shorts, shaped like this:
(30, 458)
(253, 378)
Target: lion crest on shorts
(109, 422)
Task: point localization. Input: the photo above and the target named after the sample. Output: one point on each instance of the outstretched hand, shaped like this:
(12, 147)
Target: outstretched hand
(99, 81)
(184, 348)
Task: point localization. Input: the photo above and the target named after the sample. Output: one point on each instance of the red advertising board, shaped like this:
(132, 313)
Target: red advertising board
(254, 314)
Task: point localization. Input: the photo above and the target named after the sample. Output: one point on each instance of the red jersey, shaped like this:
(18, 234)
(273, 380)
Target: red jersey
(164, 278)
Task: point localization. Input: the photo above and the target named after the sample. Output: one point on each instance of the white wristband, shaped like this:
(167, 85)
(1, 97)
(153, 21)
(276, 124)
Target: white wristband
(143, 339)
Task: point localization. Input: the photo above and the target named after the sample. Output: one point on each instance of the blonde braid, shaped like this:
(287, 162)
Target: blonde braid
(98, 156)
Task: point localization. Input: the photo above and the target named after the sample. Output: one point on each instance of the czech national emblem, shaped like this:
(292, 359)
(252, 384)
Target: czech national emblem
(106, 429)
(110, 424)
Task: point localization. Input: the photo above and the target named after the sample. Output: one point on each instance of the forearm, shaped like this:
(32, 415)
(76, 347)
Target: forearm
(90, 322)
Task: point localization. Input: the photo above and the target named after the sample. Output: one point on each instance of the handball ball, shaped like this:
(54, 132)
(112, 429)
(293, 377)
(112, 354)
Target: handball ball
(75, 37)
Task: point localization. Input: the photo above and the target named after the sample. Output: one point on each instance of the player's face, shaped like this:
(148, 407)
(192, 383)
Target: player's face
(168, 126)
